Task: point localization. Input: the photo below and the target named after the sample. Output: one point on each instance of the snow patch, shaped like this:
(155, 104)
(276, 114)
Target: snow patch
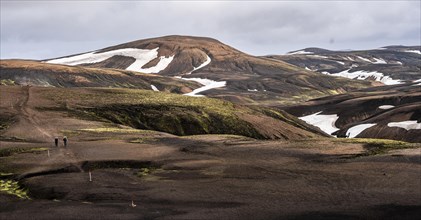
(154, 88)
(342, 63)
(365, 59)
(362, 75)
(325, 122)
(208, 60)
(307, 68)
(207, 85)
(350, 58)
(356, 130)
(142, 56)
(399, 62)
(162, 64)
(386, 106)
(319, 56)
(252, 90)
(379, 61)
(413, 51)
(299, 52)
(408, 125)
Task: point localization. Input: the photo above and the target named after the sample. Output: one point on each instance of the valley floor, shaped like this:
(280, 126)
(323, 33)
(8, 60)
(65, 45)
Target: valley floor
(138, 174)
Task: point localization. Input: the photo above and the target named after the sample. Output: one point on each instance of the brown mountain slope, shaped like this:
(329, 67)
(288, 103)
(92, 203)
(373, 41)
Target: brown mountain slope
(42, 111)
(21, 72)
(249, 79)
(388, 65)
(389, 109)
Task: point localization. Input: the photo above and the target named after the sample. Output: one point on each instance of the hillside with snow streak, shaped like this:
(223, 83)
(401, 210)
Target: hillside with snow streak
(387, 65)
(388, 112)
(140, 56)
(235, 76)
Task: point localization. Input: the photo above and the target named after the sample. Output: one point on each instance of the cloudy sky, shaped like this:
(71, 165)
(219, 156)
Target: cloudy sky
(46, 29)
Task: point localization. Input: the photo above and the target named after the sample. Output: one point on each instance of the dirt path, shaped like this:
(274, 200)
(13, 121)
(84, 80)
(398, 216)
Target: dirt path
(61, 155)
(29, 114)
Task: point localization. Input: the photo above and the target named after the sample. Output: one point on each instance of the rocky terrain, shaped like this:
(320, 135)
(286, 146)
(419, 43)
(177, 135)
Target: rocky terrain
(184, 127)
(388, 65)
(113, 171)
(390, 112)
(23, 72)
(248, 79)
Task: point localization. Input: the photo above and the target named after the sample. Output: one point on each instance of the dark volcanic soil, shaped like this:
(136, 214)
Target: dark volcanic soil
(197, 177)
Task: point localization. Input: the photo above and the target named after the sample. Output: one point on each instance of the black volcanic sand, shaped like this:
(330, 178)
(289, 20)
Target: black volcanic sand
(192, 177)
(212, 177)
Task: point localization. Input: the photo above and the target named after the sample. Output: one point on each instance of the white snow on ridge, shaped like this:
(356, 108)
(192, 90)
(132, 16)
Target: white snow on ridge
(318, 56)
(365, 59)
(362, 75)
(342, 63)
(207, 85)
(208, 60)
(413, 51)
(386, 106)
(162, 64)
(408, 125)
(252, 90)
(418, 81)
(379, 61)
(142, 56)
(299, 52)
(357, 129)
(154, 88)
(325, 122)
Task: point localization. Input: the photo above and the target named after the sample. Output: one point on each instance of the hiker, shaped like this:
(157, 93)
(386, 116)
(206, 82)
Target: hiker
(56, 141)
(65, 141)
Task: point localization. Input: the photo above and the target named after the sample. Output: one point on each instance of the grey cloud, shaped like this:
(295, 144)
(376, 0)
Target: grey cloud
(43, 29)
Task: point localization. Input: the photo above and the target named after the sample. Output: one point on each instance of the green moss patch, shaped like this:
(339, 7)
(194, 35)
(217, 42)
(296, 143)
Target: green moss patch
(112, 130)
(6, 152)
(145, 171)
(13, 188)
(378, 146)
(6, 121)
(7, 82)
(143, 140)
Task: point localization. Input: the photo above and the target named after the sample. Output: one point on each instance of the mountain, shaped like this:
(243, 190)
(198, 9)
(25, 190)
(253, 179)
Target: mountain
(390, 112)
(197, 66)
(242, 78)
(388, 65)
(23, 72)
(53, 108)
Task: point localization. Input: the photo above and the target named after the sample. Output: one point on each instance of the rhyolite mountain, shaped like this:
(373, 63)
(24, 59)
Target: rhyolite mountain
(203, 66)
(25, 72)
(389, 112)
(388, 65)
(392, 111)
(249, 79)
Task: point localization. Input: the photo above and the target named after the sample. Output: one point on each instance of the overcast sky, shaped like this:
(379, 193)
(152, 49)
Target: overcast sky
(47, 29)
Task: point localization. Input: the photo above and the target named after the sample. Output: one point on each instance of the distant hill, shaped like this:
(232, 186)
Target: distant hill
(22, 72)
(388, 65)
(248, 79)
(390, 112)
